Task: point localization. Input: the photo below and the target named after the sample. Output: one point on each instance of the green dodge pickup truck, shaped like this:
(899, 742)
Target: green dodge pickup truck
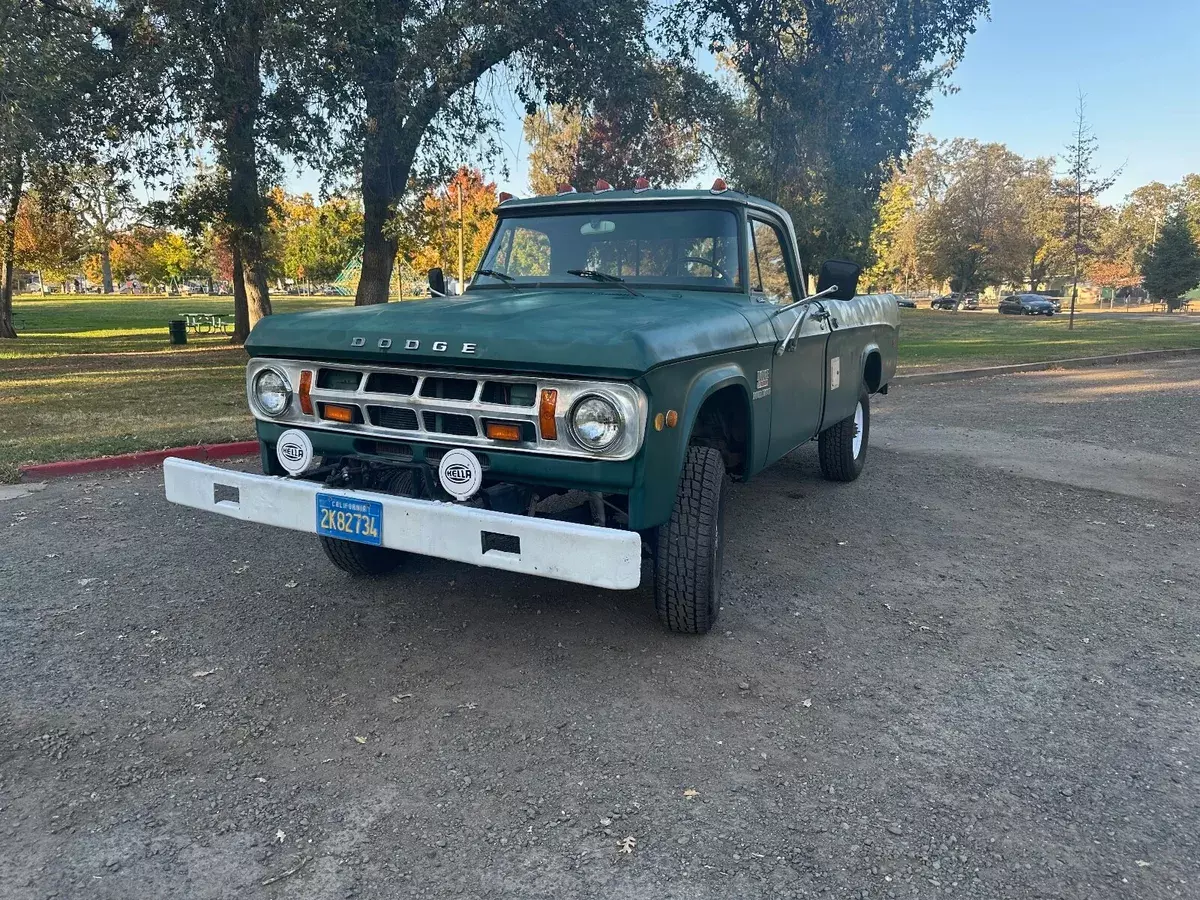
(578, 411)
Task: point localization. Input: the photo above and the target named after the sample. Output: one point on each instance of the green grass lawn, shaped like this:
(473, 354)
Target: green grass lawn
(92, 376)
(932, 339)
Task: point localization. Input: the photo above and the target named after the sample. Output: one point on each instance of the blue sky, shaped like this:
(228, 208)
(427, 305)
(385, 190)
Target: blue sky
(1138, 64)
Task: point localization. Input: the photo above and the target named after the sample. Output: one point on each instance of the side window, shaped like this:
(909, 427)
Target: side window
(755, 276)
(769, 269)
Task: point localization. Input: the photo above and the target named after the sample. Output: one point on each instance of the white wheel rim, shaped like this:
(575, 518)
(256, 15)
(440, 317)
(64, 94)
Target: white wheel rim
(856, 444)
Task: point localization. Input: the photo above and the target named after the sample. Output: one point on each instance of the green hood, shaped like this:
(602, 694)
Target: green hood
(571, 331)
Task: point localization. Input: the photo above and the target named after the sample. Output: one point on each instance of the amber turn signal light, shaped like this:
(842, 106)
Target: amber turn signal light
(499, 431)
(337, 413)
(305, 387)
(546, 411)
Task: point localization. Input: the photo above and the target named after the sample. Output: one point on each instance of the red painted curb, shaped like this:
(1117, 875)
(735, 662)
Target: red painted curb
(141, 459)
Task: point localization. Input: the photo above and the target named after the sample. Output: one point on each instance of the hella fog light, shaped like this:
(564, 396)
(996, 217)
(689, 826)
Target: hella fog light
(272, 393)
(596, 423)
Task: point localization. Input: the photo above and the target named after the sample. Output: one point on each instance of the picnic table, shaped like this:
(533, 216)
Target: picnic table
(207, 323)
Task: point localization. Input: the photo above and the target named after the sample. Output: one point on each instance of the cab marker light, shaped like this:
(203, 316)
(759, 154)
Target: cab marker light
(719, 186)
(642, 184)
(601, 186)
(306, 406)
(565, 188)
(505, 196)
(546, 411)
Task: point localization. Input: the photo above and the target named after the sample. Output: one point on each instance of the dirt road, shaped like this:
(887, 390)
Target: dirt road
(972, 673)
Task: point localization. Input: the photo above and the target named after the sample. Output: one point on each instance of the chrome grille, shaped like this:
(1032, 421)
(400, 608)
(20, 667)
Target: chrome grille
(452, 408)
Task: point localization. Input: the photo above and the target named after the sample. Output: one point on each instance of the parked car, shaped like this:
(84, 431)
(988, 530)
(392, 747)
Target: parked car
(1054, 301)
(1025, 305)
(627, 387)
(956, 301)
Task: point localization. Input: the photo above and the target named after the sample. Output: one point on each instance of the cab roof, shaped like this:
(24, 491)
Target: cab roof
(651, 195)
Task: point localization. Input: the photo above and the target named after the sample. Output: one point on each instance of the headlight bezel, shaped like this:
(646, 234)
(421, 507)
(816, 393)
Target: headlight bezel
(573, 428)
(287, 390)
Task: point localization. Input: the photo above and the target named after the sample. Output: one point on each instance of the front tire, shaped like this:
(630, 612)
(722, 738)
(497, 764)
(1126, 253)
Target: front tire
(365, 560)
(690, 547)
(842, 449)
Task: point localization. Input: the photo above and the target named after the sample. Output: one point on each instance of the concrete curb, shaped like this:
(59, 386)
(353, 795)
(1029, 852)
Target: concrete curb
(139, 460)
(1077, 363)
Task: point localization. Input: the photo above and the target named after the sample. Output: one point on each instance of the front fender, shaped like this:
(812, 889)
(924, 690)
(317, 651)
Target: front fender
(682, 388)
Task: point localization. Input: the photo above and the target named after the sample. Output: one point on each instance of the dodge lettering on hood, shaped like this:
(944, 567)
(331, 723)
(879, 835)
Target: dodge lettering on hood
(578, 411)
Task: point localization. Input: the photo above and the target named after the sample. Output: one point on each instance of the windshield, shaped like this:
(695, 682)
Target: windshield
(688, 248)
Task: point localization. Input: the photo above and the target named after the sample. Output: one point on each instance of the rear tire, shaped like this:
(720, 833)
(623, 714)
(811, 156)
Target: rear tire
(842, 449)
(361, 560)
(690, 547)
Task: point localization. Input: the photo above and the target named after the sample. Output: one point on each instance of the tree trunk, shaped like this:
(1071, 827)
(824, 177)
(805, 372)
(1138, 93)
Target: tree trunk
(16, 183)
(245, 206)
(254, 266)
(106, 266)
(379, 251)
(387, 161)
(241, 311)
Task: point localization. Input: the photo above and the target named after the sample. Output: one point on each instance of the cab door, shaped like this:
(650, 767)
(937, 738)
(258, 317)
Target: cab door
(797, 375)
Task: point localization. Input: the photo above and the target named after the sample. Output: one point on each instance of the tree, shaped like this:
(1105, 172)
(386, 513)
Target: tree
(227, 71)
(827, 94)
(311, 242)
(894, 238)
(106, 207)
(1040, 245)
(967, 234)
(168, 258)
(403, 78)
(56, 63)
(906, 204)
(1082, 185)
(646, 127)
(427, 232)
(47, 238)
(1173, 265)
(1189, 198)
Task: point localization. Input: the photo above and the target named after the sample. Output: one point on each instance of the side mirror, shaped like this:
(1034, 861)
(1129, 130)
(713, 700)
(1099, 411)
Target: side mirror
(437, 282)
(841, 272)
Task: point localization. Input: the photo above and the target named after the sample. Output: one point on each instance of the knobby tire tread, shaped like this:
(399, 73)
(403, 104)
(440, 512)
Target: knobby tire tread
(685, 584)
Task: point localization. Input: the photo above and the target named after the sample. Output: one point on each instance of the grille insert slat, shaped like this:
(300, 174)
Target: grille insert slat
(391, 383)
(449, 388)
(393, 417)
(450, 423)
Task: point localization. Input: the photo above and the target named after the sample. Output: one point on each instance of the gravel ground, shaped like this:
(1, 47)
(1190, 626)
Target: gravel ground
(972, 673)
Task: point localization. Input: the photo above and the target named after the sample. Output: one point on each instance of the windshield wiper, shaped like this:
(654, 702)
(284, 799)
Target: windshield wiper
(602, 276)
(507, 280)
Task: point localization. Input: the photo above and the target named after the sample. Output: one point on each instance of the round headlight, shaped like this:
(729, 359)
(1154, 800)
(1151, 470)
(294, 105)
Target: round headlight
(596, 422)
(272, 392)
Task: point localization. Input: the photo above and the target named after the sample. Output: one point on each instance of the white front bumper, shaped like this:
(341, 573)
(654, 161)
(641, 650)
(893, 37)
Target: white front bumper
(585, 554)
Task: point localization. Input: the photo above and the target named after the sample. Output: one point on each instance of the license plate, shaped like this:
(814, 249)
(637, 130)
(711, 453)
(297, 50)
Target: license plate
(350, 519)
